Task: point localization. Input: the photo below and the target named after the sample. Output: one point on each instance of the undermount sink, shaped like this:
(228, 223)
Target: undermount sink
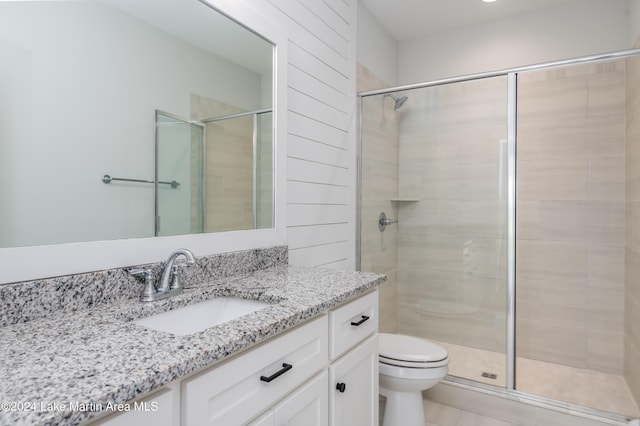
(200, 316)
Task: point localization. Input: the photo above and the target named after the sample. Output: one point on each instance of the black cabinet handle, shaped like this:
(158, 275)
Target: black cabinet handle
(285, 367)
(356, 324)
(341, 387)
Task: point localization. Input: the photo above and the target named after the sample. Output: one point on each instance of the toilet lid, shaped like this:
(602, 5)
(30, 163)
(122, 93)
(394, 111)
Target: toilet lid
(408, 348)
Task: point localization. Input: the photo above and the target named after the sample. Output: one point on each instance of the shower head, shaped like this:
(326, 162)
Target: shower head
(399, 101)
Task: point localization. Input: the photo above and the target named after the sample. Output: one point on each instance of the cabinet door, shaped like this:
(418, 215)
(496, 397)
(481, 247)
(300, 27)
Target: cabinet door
(267, 419)
(353, 386)
(307, 406)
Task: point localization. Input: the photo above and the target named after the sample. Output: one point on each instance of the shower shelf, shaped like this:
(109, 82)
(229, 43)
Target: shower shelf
(405, 200)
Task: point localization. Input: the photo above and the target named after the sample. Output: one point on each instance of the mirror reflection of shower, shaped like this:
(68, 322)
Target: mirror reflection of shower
(179, 155)
(244, 174)
(226, 164)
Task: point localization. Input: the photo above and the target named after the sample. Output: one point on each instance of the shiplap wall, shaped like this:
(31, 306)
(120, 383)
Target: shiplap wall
(321, 158)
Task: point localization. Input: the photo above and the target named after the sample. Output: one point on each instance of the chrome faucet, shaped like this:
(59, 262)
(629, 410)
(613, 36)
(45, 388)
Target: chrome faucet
(170, 279)
(169, 284)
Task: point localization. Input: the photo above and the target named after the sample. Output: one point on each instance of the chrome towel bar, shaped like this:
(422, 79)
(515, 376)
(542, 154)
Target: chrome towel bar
(108, 179)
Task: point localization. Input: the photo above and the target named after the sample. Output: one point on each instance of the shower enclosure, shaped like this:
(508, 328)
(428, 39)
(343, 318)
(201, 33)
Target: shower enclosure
(517, 245)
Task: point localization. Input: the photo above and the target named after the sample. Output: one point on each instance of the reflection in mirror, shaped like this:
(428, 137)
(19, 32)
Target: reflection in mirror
(240, 184)
(80, 82)
(220, 182)
(180, 176)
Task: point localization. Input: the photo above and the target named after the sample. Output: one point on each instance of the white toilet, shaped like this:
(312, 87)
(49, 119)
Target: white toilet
(408, 365)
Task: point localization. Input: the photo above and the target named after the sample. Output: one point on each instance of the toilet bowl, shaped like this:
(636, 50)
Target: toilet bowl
(408, 365)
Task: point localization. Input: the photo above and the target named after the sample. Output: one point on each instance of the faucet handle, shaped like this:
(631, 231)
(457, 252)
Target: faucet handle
(149, 289)
(176, 268)
(142, 273)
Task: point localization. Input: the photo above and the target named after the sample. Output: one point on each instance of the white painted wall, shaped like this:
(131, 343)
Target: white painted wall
(377, 49)
(574, 29)
(634, 23)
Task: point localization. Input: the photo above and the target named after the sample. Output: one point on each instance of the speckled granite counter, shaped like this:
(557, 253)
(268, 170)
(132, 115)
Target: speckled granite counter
(96, 356)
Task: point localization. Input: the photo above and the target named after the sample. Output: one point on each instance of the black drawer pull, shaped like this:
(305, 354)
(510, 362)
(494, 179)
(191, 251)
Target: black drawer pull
(341, 387)
(285, 367)
(364, 318)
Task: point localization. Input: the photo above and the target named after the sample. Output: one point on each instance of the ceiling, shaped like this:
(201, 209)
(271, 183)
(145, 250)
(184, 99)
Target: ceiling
(408, 19)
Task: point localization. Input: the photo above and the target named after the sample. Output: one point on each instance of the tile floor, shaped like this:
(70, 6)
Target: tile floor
(442, 415)
(608, 392)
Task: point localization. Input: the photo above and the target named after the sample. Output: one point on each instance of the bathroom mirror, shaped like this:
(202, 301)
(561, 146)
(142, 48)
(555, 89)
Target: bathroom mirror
(75, 166)
(80, 84)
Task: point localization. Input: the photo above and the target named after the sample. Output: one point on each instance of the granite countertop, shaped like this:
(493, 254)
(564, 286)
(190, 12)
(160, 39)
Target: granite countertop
(55, 369)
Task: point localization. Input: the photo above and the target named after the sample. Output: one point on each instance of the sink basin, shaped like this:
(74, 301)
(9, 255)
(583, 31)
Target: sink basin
(200, 316)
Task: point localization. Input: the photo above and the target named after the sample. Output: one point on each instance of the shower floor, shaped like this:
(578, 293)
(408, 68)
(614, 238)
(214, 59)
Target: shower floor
(608, 392)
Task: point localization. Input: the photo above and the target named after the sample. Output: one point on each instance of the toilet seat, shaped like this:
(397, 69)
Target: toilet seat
(412, 352)
(409, 364)
(413, 373)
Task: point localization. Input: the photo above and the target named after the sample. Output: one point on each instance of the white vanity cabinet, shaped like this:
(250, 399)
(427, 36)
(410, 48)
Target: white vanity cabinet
(323, 372)
(346, 395)
(353, 372)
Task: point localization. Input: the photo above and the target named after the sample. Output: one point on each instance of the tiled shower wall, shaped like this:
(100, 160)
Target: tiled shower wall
(452, 240)
(379, 250)
(570, 216)
(632, 260)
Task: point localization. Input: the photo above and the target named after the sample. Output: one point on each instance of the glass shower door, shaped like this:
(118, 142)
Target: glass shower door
(452, 242)
(450, 200)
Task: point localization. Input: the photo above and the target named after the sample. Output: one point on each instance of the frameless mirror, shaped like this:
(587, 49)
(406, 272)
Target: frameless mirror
(80, 85)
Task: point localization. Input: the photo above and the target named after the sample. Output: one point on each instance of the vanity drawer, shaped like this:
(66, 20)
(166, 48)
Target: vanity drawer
(243, 387)
(352, 323)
